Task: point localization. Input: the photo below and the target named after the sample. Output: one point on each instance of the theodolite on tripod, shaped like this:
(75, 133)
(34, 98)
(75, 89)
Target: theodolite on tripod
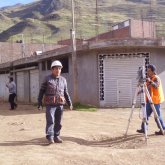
(142, 87)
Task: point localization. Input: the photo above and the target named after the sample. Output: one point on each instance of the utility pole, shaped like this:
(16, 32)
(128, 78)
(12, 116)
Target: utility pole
(23, 46)
(43, 43)
(142, 23)
(152, 16)
(97, 21)
(74, 56)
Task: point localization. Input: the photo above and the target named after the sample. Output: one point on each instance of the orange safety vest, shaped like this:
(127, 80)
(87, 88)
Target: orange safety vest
(157, 93)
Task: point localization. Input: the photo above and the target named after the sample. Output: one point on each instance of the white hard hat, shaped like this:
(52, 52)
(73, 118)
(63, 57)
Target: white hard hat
(56, 63)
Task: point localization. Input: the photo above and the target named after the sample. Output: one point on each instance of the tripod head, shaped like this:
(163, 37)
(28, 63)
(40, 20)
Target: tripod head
(141, 75)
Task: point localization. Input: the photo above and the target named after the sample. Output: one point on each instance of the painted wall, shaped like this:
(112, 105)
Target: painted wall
(88, 78)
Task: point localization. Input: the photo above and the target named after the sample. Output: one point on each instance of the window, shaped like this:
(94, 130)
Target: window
(65, 63)
(49, 64)
(43, 65)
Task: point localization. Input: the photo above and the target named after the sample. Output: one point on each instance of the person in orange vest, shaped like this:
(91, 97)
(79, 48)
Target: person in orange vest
(155, 89)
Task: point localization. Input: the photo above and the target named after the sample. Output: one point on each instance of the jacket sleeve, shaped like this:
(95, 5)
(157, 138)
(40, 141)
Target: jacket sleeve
(42, 91)
(66, 95)
(155, 83)
(7, 85)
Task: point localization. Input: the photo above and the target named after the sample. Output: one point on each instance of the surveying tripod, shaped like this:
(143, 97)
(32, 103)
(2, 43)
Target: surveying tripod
(143, 88)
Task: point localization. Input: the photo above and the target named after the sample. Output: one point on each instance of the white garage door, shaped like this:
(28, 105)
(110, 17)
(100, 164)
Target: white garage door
(20, 86)
(34, 85)
(4, 92)
(120, 80)
(124, 92)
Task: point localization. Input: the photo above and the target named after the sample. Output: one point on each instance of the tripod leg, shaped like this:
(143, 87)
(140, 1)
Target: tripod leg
(145, 131)
(144, 120)
(143, 106)
(153, 108)
(129, 120)
(133, 106)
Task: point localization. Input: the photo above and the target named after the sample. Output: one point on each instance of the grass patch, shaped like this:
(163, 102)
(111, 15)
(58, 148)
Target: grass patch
(82, 107)
(77, 107)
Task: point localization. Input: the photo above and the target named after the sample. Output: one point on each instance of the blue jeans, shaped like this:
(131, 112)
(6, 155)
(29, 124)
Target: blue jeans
(149, 111)
(53, 121)
(11, 100)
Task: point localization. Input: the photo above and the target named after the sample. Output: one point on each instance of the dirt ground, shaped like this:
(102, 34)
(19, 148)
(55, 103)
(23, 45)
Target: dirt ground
(90, 138)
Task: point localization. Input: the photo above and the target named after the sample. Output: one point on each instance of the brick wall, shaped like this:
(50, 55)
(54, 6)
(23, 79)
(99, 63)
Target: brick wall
(142, 29)
(69, 42)
(134, 29)
(121, 33)
(14, 51)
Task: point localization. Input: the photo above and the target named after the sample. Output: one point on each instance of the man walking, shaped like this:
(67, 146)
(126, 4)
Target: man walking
(12, 93)
(54, 87)
(156, 92)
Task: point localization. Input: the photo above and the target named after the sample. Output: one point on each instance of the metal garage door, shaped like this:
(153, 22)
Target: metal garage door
(20, 86)
(4, 92)
(124, 92)
(34, 85)
(120, 80)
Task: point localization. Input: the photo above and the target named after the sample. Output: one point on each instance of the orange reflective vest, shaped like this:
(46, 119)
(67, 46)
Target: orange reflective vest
(156, 93)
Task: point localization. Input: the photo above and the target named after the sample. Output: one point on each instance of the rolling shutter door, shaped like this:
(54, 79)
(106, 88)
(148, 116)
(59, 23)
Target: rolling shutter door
(34, 85)
(4, 92)
(124, 92)
(120, 80)
(20, 86)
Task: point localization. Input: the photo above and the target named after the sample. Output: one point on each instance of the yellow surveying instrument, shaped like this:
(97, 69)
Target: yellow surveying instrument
(145, 93)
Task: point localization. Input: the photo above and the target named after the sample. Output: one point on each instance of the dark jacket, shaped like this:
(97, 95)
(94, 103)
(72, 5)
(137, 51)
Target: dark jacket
(55, 91)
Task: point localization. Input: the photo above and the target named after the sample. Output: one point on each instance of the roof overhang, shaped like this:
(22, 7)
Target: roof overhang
(88, 46)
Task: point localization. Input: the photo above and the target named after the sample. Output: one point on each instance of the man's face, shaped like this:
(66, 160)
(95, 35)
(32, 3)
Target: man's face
(56, 71)
(149, 72)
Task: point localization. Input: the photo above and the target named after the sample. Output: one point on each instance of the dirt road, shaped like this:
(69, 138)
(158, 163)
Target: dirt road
(90, 138)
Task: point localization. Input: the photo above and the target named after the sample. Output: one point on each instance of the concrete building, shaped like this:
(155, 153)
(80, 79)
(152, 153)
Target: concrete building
(107, 70)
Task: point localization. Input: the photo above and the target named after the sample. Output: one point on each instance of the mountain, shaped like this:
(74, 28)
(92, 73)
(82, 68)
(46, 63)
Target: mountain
(51, 20)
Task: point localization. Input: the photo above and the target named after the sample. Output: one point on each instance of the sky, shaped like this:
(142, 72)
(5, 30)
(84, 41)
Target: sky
(4, 3)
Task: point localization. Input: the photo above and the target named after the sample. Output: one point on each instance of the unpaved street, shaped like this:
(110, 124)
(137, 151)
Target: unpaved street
(90, 138)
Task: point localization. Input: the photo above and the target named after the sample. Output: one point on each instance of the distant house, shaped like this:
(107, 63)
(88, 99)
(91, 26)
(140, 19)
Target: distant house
(129, 29)
(107, 70)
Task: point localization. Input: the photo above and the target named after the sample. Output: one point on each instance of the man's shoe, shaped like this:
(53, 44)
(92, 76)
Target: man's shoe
(158, 132)
(140, 131)
(15, 106)
(57, 139)
(51, 141)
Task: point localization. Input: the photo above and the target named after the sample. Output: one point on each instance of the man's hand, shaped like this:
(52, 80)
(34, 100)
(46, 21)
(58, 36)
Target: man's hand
(40, 107)
(71, 107)
(148, 79)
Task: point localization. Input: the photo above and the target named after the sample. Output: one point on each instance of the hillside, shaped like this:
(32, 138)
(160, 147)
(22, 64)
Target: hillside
(50, 20)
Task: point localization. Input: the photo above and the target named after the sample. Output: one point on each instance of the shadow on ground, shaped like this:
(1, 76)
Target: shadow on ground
(122, 142)
(21, 110)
